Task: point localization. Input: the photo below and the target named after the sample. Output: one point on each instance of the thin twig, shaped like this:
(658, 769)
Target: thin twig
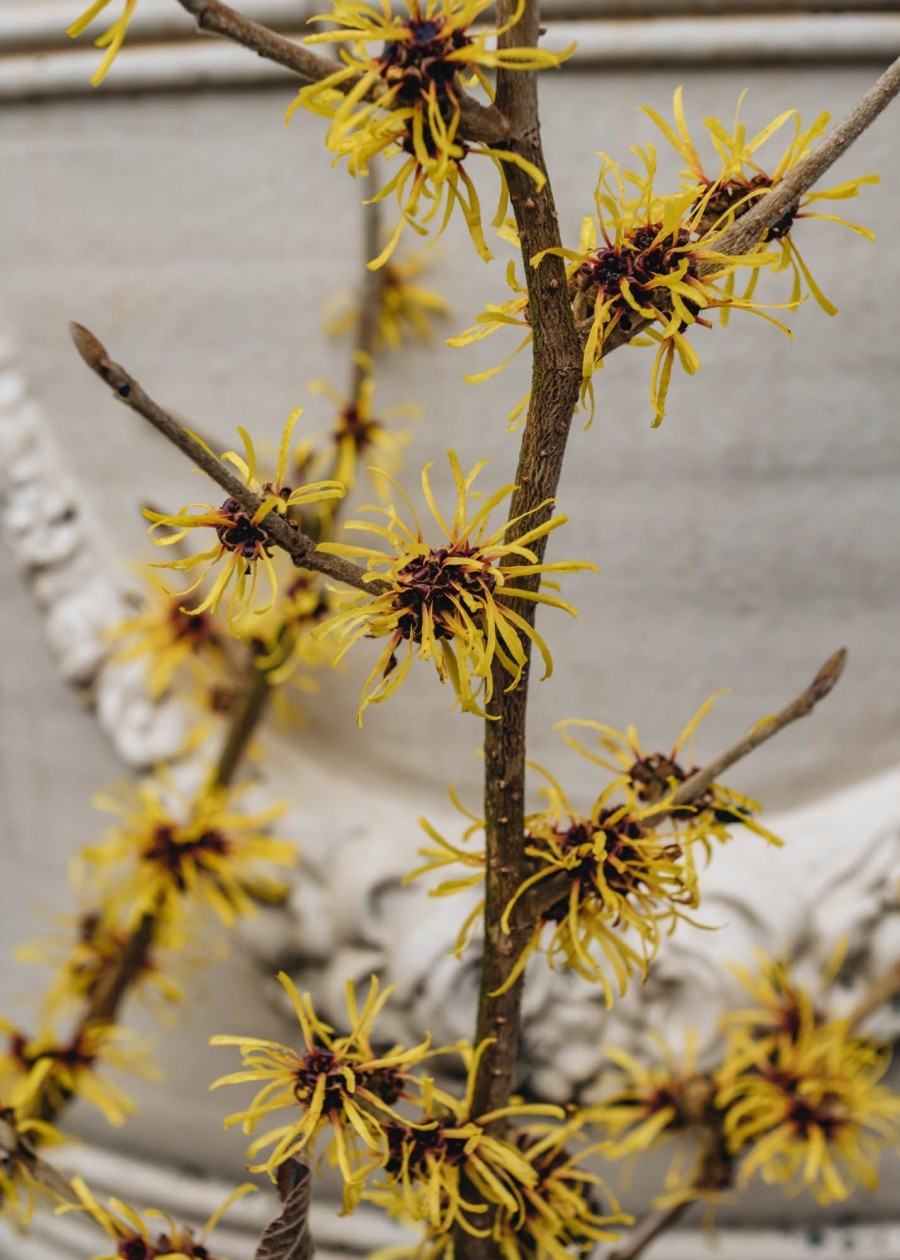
(478, 123)
(370, 290)
(37, 1168)
(280, 531)
(247, 717)
(650, 1227)
(884, 989)
(821, 686)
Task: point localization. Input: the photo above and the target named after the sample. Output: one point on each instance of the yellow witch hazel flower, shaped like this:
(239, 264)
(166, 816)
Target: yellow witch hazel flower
(359, 435)
(452, 604)
(620, 881)
(112, 38)
(654, 775)
(132, 1235)
(86, 954)
(171, 640)
(400, 85)
(282, 640)
(606, 886)
(650, 1103)
(643, 248)
(168, 859)
(242, 543)
(641, 265)
(451, 1169)
(339, 1084)
(806, 1111)
(447, 854)
(405, 308)
(20, 1187)
(741, 182)
(783, 1006)
(46, 1067)
(567, 1211)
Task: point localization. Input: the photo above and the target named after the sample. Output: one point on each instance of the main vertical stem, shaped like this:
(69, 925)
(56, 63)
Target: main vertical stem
(556, 374)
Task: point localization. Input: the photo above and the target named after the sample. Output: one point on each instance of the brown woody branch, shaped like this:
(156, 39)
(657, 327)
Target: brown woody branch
(281, 532)
(479, 123)
(370, 290)
(556, 374)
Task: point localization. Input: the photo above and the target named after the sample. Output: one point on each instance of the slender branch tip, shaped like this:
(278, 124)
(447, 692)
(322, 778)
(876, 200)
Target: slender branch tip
(88, 346)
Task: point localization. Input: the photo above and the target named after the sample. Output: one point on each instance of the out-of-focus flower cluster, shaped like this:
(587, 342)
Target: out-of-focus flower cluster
(796, 1099)
(157, 1237)
(166, 861)
(189, 646)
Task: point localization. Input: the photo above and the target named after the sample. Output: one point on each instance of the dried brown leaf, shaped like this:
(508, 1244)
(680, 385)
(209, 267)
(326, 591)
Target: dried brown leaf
(288, 1236)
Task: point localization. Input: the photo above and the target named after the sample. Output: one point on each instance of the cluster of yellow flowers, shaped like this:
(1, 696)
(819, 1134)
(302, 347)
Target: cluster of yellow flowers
(133, 1236)
(169, 859)
(398, 92)
(453, 604)
(177, 860)
(181, 643)
(505, 1175)
(647, 267)
(796, 1100)
(608, 884)
(147, 886)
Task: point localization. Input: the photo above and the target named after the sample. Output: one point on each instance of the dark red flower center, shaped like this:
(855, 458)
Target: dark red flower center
(238, 533)
(642, 256)
(136, 1249)
(197, 627)
(417, 1144)
(170, 852)
(360, 429)
(317, 1064)
(621, 863)
(419, 64)
(386, 1083)
(435, 583)
(740, 195)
